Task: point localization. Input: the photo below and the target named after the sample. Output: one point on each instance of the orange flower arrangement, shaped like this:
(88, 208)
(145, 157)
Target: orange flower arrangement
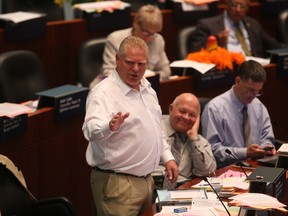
(219, 56)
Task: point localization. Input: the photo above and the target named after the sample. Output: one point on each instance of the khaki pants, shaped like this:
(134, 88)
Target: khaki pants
(121, 195)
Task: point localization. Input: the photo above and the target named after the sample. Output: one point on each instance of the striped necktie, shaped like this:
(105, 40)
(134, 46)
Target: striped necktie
(246, 127)
(241, 39)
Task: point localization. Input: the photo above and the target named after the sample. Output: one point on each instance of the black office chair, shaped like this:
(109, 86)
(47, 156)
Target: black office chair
(90, 60)
(15, 199)
(283, 26)
(53, 11)
(184, 41)
(203, 101)
(21, 76)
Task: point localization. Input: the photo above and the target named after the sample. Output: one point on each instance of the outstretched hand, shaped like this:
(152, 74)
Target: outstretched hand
(117, 120)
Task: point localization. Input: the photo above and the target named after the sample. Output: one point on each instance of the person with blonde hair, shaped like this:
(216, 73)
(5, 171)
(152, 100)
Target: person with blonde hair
(147, 24)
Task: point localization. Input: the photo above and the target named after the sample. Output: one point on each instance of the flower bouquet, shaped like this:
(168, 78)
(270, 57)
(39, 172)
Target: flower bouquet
(213, 54)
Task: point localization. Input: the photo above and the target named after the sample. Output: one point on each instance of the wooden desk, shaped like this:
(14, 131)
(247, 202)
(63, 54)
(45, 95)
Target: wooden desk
(152, 210)
(51, 156)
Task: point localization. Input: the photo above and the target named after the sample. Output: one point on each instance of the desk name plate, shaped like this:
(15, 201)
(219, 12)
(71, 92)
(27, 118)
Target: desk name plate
(67, 100)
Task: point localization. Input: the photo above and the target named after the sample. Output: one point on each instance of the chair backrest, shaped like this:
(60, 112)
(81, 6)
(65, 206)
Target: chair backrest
(184, 41)
(58, 206)
(14, 198)
(53, 11)
(202, 101)
(283, 26)
(21, 76)
(90, 60)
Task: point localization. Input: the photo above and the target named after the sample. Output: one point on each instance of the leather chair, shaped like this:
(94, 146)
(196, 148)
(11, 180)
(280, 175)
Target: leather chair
(90, 60)
(16, 199)
(184, 41)
(21, 76)
(283, 26)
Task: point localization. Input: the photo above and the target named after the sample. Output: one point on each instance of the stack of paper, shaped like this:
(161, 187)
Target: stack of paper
(257, 201)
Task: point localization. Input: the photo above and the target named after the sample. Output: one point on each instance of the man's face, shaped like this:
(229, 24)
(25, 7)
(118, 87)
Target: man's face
(131, 67)
(248, 90)
(237, 9)
(183, 115)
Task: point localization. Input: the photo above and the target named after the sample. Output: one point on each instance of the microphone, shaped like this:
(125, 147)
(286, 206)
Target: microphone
(206, 180)
(241, 165)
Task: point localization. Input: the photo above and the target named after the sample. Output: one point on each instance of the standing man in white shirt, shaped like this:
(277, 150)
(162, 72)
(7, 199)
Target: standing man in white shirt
(123, 127)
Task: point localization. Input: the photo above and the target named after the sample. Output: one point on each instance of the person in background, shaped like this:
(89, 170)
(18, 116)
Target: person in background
(224, 27)
(147, 23)
(223, 120)
(191, 151)
(123, 127)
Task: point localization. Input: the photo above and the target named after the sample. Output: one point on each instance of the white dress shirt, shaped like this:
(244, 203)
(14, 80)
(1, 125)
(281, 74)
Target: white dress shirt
(138, 144)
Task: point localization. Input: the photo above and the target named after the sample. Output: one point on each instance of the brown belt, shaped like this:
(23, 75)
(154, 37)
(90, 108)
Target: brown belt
(118, 173)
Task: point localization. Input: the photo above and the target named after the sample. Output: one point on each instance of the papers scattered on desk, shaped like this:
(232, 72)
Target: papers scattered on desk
(201, 67)
(20, 16)
(257, 201)
(11, 110)
(102, 6)
(261, 61)
(283, 150)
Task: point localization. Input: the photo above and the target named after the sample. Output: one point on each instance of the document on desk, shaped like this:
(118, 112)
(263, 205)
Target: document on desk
(11, 109)
(20, 16)
(257, 201)
(201, 67)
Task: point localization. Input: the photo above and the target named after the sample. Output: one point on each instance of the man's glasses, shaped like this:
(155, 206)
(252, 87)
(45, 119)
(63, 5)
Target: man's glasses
(132, 64)
(256, 93)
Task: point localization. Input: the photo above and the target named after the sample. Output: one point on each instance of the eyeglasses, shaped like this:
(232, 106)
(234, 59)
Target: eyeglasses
(256, 93)
(235, 5)
(146, 33)
(133, 64)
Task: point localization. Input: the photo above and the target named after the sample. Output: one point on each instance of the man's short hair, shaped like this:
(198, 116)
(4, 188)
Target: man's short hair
(252, 70)
(132, 41)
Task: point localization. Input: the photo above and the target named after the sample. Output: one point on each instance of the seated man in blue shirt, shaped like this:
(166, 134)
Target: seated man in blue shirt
(223, 120)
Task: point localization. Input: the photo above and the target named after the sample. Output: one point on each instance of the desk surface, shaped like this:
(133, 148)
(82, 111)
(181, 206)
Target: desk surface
(152, 210)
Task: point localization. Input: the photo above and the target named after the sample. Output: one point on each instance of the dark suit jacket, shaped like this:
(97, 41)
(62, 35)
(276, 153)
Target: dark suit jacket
(260, 41)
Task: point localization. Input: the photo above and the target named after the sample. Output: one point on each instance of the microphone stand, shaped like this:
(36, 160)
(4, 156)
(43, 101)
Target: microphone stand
(206, 180)
(230, 153)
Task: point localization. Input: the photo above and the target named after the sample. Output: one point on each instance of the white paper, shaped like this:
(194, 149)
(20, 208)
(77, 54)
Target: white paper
(201, 67)
(102, 6)
(12, 110)
(261, 61)
(19, 16)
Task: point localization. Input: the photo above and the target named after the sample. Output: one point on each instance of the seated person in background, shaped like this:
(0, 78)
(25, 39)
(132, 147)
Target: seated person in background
(224, 27)
(223, 120)
(147, 23)
(191, 151)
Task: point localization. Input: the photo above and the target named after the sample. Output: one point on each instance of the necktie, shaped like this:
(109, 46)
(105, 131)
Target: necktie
(176, 147)
(241, 39)
(176, 151)
(246, 127)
